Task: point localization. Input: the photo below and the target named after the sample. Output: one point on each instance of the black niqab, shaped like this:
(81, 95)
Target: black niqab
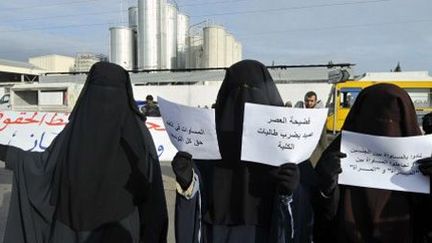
(241, 193)
(103, 165)
(376, 215)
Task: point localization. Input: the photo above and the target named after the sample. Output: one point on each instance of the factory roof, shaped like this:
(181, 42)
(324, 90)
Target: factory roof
(279, 74)
(17, 64)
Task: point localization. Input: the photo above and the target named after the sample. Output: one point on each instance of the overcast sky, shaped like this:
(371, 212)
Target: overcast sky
(374, 34)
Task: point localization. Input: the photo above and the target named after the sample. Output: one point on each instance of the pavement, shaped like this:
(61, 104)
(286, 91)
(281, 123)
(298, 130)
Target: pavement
(167, 176)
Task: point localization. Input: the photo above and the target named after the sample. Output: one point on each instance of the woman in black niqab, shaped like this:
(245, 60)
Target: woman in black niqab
(100, 178)
(240, 199)
(242, 192)
(359, 214)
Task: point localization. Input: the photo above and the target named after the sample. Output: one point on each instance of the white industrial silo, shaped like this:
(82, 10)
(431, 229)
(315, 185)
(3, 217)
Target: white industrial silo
(133, 17)
(133, 24)
(214, 46)
(182, 33)
(237, 52)
(162, 34)
(122, 47)
(229, 50)
(149, 34)
(195, 51)
(169, 44)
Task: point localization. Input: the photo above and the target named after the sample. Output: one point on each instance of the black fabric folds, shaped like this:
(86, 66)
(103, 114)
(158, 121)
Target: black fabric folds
(240, 192)
(103, 166)
(358, 214)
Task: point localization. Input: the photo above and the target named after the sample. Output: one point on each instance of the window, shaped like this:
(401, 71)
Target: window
(348, 96)
(52, 97)
(26, 98)
(420, 97)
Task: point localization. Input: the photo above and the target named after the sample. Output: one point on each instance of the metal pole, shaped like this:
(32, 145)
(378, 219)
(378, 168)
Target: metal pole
(335, 109)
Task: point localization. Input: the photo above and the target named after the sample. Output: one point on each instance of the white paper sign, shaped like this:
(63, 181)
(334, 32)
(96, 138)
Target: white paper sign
(165, 150)
(384, 162)
(30, 131)
(190, 129)
(277, 135)
(34, 131)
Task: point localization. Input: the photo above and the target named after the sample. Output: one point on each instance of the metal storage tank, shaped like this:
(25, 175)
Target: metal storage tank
(214, 46)
(229, 50)
(162, 34)
(169, 44)
(182, 33)
(133, 17)
(148, 34)
(195, 51)
(237, 53)
(122, 46)
(133, 23)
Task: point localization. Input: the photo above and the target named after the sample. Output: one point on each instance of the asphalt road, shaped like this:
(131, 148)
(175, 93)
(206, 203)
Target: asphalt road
(6, 185)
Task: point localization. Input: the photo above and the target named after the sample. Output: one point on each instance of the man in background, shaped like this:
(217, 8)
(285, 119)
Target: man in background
(150, 108)
(311, 102)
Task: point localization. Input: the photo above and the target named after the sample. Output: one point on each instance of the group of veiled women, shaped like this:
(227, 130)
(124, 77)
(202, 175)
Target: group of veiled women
(100, 179)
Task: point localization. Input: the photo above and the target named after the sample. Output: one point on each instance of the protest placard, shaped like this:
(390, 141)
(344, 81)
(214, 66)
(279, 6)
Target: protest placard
(384, 162)
(276, 135)
(191, 129)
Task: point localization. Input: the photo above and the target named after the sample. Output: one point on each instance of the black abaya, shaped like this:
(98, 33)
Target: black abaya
(99, 180)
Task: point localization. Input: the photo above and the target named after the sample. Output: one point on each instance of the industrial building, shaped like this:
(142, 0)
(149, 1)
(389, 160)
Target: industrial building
(14, 71)
(53, 63)
(84, 61)
(200, 87)
(159, 36)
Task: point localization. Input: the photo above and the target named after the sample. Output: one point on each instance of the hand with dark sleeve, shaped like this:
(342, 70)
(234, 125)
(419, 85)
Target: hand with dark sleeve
(328, 169)
(287, 178)
(182, 167)
(425, 166)
(3, 152)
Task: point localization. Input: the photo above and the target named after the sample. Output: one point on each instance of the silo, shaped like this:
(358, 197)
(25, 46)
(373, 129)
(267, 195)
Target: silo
(182, 33)
(122, 46)
(169, 44)
(162, 34)
(195, 51)
(133, 17)
(229, 50)
(237, 52)
(148, 34)
(133, 23)
(214, 46)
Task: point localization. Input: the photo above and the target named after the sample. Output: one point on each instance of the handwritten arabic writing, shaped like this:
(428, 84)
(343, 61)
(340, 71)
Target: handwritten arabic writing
(49, 119)
(190, 129)
(295, 135)
(384, 162)
(292, 120)
(186, 135)
(273, 132)
(25, 118)
(154, 126)
(34, 131)
(284, 146)
(39, 143)
(366, 160)
(274, 135)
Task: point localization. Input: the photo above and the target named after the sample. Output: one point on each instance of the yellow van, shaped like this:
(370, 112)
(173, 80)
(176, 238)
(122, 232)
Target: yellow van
(417, 84)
